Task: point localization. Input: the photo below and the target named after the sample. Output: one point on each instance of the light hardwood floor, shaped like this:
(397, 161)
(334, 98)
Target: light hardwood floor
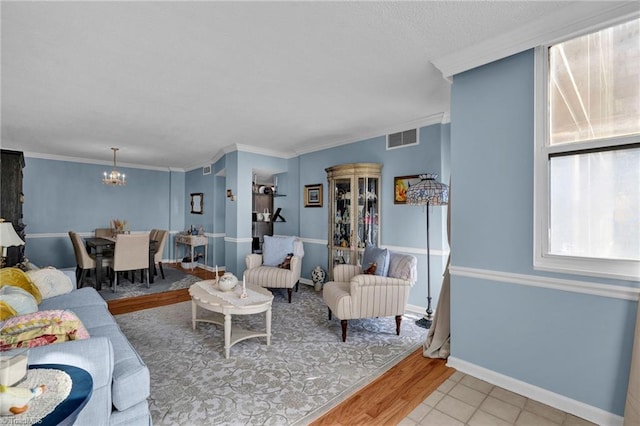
(385, 401)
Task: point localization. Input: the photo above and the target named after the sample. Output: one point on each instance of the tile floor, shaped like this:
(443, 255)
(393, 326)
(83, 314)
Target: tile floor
(466, 400)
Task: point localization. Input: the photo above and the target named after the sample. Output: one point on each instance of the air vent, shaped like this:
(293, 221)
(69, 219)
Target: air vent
(400, 139)
(206, 170)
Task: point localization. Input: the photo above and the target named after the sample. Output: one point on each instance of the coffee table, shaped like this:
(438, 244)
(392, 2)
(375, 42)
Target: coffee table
(223, 310)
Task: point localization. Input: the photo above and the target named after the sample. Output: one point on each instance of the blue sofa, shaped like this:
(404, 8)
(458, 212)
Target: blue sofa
(121, 382)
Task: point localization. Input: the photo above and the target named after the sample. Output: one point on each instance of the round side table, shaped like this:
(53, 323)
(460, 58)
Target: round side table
(81, 388)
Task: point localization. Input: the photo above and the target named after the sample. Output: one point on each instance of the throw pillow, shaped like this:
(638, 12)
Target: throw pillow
(380, 257)
(274, 249)
(403, 267)
(51, 282)
(16, 300)
(41, 328)
(6, 311)
(286, 263)
(18, 278)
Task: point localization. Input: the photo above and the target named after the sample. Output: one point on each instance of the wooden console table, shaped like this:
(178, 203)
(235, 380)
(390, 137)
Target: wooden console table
(193, 241)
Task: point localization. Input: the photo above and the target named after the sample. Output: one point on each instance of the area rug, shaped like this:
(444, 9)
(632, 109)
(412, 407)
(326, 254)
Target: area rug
(173, 280)
(305, 371)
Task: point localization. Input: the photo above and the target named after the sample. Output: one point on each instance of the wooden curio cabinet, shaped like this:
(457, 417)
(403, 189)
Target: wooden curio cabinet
(11, 200)
(354, 211)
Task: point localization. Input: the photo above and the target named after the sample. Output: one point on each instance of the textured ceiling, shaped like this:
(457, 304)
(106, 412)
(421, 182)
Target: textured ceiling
(174, 84)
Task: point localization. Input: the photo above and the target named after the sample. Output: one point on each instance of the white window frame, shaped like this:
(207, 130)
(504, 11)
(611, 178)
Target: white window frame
(542, 259)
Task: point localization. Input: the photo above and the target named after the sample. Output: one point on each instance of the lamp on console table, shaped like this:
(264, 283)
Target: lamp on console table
(8, 238)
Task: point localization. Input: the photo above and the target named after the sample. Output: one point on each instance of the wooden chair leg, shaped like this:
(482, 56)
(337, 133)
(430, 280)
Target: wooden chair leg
(289, 293)
(83, 274)
(161, 270)
(343, 323)
(329, 313)
(297, 285)
(398, 321)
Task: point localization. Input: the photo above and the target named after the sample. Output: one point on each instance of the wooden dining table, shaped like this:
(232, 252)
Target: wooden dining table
(100, 246)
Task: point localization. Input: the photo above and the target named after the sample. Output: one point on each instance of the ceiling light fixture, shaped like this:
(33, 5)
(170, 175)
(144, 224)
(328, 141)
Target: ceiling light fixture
(115, 177)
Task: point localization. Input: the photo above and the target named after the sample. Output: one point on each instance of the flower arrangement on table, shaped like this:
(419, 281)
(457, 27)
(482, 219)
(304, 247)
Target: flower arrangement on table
(119, 225)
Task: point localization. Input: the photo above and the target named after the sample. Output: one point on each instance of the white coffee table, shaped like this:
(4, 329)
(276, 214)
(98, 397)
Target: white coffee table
(223, 310)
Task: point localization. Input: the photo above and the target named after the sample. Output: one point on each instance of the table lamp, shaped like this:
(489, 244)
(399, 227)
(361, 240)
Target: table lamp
(8, 238)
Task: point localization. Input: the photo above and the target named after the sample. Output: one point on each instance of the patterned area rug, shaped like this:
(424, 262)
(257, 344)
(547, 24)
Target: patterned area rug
(305, 371)
(173, 280)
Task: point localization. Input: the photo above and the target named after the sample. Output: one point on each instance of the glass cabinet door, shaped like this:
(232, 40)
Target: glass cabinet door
(354, 191)
(342, 229)
(367, 214)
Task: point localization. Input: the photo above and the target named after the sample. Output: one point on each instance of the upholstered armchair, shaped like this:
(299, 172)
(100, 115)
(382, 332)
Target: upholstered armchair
(353, 295)
(276, 267)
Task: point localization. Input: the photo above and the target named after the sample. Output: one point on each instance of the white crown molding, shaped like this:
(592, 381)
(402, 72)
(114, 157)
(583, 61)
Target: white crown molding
(561, 402)
(439, 118)
(574, 286)
(413, 124)
(263, 151)
(569, 21)
(90, 161)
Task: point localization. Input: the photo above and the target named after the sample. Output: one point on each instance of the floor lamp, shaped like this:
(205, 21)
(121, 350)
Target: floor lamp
(428, 192)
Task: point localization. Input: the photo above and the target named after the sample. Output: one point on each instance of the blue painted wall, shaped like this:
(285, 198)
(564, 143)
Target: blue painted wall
(402, 226)
(572, 344)
(63, 196)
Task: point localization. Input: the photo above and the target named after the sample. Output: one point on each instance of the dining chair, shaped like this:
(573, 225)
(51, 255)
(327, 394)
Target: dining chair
(84, 261)
(131, 254)
(103, 232)
(161, 238)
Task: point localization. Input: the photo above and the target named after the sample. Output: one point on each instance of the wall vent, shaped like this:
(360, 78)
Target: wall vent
(206, 170)
(401, 139)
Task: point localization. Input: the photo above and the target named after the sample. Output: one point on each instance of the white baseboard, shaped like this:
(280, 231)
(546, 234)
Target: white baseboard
(577, 408)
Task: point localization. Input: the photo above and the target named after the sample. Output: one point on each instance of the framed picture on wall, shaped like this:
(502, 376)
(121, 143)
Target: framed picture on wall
(196, 202)
(400, 186)
(313, 195)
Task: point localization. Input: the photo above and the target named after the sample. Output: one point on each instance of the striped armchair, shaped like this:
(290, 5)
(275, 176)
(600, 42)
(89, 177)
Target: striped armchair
(272, 276)
(355, 295)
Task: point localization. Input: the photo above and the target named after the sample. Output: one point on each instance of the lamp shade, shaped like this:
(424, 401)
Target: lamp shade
(428, 191)
(8, 236)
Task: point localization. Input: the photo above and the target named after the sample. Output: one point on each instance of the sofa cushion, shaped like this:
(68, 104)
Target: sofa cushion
(41, 328)
(131, 378)
(276, 249)
(51, 282)
(380, 257)
(17, 277)
(83, 297)
(15, 301)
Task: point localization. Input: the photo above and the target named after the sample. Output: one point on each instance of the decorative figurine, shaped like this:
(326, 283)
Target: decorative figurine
(14, 400)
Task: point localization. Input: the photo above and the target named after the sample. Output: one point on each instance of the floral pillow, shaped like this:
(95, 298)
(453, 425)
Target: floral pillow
(41, 328)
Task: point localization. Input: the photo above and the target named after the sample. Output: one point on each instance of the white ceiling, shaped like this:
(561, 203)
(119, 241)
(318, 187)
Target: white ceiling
(176, 84)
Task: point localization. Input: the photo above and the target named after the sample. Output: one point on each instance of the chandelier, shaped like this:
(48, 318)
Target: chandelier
(115, 177)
